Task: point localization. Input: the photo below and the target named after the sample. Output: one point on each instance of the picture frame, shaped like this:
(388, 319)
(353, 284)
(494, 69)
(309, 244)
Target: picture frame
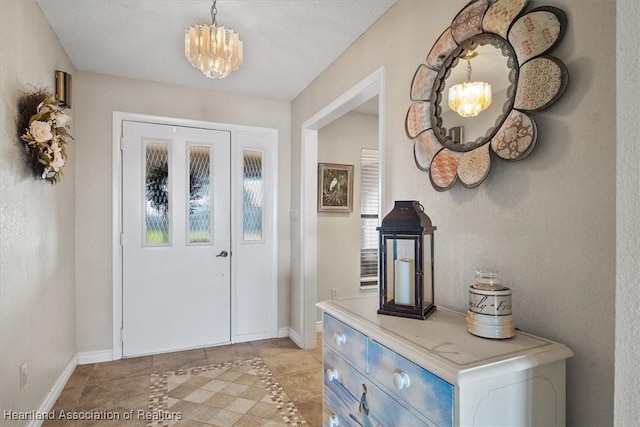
(335, 188)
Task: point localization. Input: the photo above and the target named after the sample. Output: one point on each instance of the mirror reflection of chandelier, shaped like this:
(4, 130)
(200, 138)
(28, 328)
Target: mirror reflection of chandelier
(216, 51)
(468, 99)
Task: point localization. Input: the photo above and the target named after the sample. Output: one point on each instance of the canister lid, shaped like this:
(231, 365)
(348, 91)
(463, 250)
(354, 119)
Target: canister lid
(488, 280)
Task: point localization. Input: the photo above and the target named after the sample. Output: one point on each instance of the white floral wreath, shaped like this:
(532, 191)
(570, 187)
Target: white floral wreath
(45, 134)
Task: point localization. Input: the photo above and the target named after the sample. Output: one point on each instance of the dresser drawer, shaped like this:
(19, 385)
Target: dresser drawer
(346, 341)
(427, 393)
(344, 387)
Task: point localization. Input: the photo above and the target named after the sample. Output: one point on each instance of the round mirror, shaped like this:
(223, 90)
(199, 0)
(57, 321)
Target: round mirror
(474, 97)
(484, 58)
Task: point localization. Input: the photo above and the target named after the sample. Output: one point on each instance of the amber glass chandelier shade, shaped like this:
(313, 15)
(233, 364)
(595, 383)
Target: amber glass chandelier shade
(469, 99)
(216, 51)
(212, 49)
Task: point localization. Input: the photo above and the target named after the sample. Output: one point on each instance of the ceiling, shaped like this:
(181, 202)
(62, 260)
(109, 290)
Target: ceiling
(287, 43)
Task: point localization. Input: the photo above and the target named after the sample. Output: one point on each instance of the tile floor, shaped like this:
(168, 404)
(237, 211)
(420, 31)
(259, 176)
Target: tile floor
(123, 385)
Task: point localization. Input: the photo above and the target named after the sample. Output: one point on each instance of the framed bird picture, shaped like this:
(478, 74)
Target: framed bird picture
(335, 187)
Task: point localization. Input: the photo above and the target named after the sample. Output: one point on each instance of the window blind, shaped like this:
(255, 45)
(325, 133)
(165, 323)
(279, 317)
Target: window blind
(369, 199)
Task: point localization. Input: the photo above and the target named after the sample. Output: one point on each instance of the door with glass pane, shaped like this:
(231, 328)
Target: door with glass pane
(176, 238)
(254, 312)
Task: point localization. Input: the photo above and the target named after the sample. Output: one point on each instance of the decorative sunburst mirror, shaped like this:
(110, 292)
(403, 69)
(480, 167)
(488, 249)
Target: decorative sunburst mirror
(503, 48)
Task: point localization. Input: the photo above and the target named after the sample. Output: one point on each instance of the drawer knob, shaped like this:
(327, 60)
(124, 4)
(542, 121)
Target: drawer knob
(332, 374)
(401, 380)
(333, 421)
(339, 338)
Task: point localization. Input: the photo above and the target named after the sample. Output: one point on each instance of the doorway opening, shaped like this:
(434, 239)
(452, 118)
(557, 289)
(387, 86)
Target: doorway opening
(365, 90)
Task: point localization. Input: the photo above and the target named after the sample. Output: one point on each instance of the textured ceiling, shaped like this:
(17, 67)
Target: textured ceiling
(287, 43)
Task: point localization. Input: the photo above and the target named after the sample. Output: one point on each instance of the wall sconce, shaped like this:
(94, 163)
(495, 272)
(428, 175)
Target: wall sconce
(406, 262)
(63, 88)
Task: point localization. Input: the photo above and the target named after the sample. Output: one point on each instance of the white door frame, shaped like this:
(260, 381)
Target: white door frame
(366, 89)
(116, 201)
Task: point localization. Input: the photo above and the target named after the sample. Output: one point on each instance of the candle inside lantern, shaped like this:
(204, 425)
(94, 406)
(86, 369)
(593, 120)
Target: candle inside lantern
(404, 281)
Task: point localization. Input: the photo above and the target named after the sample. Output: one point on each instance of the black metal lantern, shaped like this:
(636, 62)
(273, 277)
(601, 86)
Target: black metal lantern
(406, 262)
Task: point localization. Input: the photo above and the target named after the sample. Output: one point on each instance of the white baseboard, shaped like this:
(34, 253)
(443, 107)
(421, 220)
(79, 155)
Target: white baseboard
(55, 391)
(283, 332)
(319, 326)
(88, 357)
(296, 338)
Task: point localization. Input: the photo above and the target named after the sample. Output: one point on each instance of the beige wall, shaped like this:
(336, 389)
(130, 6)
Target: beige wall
(97, 97)
(37, 224)
(547, 223)
(559, 203)
(339, 233)
(627, 380)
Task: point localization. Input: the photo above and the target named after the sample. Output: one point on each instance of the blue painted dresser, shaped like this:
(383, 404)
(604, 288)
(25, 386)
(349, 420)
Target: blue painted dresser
(391, 371)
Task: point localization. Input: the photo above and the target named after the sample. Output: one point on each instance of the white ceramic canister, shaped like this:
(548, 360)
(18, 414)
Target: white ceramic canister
(489, 314)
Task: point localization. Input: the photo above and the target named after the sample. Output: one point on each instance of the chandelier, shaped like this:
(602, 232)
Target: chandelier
(216, 51)
(468, 99)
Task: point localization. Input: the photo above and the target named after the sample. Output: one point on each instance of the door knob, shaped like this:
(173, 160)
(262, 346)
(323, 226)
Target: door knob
(222, 254)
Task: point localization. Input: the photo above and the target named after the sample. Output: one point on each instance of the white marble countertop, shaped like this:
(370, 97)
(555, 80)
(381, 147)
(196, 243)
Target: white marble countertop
(442, 344)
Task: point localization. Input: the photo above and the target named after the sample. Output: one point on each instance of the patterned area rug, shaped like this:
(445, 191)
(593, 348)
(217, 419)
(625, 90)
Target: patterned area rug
(240, 393)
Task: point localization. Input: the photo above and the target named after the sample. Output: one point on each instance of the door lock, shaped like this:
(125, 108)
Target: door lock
(222, 254)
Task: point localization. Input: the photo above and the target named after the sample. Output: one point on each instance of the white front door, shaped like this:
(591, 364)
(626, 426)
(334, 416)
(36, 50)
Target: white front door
(176, 238)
